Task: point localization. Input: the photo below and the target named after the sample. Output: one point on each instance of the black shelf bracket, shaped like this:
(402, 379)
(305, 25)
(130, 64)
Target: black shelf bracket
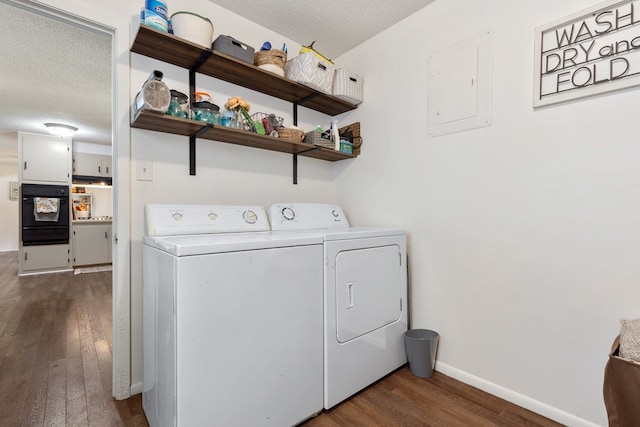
(192, 155)
(295, 155)
(295, 123)
(192, 73)
(295, 168)
(192, 90)
(192, 147)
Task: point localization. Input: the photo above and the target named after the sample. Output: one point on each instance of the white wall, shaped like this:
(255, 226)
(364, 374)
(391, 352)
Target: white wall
(523, 236)
(8, 208)
(88, 147)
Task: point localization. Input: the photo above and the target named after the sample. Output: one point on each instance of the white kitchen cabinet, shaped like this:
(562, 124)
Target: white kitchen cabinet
(88, 164)
(45, 258)
(91, 243)
(44, 158)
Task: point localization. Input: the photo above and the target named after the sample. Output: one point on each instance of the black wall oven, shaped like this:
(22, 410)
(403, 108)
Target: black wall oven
(45, 214)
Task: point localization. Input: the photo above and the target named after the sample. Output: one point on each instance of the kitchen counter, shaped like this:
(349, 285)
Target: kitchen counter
(92, 221)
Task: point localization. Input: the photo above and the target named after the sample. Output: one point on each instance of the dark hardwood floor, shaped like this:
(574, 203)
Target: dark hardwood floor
(55, 351)
(55, 368)
(401, 399)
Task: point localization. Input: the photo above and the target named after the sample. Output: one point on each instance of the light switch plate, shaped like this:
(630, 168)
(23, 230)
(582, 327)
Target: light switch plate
(144, 170)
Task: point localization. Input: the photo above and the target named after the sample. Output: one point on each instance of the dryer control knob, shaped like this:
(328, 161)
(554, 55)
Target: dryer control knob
(177, 216)
(288, 214)
(212, 216)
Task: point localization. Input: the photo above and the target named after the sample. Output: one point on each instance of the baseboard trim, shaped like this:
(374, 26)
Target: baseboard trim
(136, 388)
(536, 406)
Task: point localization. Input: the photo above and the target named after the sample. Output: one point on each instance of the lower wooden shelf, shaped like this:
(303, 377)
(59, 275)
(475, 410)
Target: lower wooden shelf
(186, 127)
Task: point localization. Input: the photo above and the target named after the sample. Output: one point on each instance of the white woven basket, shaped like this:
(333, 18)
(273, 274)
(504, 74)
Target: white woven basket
(195, 28)
(348, 86)
(306, 68)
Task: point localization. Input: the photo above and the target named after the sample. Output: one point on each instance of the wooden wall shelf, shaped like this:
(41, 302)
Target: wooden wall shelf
(174, 50)
(179, 126)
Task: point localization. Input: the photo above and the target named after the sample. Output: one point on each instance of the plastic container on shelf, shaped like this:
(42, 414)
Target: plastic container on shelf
(192, 27)
(205, 111)
(234, 48)
(179, 104)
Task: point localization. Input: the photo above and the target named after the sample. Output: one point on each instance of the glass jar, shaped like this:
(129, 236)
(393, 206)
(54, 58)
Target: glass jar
(179, 104)
(205, 111)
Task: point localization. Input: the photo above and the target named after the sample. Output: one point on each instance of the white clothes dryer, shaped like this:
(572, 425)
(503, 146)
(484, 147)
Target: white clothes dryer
(365, 296)
(232, 319)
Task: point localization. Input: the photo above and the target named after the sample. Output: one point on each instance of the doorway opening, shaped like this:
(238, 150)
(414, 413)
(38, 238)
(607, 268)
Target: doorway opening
(64, 67)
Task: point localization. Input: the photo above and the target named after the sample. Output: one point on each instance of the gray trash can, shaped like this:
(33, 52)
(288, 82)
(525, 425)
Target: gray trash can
(421, 346)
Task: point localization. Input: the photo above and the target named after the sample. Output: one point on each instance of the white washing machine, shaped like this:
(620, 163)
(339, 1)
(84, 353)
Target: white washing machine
(365, 296)
(232, 319)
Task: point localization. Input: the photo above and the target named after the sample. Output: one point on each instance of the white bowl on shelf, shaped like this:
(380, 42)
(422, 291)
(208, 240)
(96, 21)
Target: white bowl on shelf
(193, 27)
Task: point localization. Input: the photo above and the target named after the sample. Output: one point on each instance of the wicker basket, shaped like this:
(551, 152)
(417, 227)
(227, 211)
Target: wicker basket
(290, 134)
(272, 60)
(315, 137)
(354, 129)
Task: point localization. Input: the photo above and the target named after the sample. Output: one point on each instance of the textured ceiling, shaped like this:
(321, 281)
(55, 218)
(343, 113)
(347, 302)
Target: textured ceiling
(53, 72)
(337, 26)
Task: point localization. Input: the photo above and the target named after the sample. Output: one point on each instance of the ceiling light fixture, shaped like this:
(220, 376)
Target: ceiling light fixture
(58, 129)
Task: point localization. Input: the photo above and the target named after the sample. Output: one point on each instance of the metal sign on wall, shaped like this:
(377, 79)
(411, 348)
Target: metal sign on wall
(590, 52)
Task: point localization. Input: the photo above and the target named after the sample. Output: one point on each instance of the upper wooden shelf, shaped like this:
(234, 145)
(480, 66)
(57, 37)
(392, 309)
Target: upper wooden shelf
(179, 126)
(174, 50)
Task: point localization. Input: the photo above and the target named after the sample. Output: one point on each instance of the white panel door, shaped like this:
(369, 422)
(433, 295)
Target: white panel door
(368, 290)
(91, 244)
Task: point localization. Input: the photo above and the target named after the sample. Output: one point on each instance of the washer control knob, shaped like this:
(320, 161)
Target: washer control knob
(335, 213)
(177, 216)
(288, 214)
(250, 217)
(212, 216)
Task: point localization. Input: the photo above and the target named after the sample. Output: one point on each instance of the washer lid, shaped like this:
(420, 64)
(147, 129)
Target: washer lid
(203, 244)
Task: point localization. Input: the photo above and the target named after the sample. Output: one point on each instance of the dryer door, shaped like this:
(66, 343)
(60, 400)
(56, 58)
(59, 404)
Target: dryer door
(368, 290)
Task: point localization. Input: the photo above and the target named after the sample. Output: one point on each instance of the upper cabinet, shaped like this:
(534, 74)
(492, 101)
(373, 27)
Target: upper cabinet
(44, 158)
(88, 164)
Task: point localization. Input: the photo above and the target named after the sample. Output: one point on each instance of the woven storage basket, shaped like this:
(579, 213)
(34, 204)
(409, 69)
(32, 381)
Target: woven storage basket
(354, 130)
(315, 137)
(273, 60)
(290, 134)
(348, 86)
(308, 70)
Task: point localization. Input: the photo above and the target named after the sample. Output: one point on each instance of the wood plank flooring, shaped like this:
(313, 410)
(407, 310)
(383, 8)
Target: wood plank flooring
(55, 368)
(401, 399)
(55, 351)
